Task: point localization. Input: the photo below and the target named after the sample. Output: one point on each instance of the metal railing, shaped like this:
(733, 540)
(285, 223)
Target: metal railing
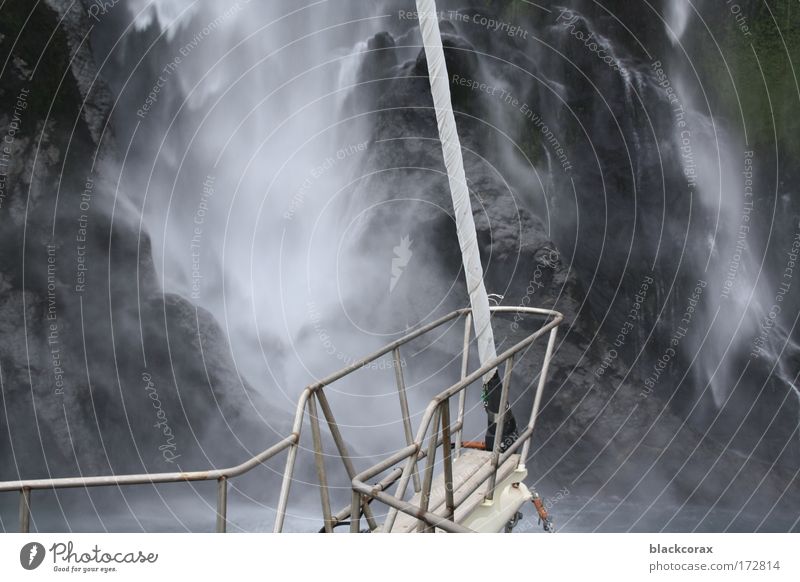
(443, 434)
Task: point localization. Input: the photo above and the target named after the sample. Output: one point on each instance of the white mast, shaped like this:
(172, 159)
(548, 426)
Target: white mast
(451, 147)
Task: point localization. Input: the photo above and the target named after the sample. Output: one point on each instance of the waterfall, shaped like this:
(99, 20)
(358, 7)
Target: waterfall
(677, 19)
(269, 121)
(247, 181)
(250, 195)
(735, 349)
(745, 349)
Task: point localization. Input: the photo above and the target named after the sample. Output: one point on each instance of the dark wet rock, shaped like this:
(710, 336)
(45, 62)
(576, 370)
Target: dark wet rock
(100, 370)
(599, 431)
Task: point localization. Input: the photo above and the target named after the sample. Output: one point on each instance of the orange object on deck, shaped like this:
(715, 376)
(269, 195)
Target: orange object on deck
(479, 445)
(544, 518)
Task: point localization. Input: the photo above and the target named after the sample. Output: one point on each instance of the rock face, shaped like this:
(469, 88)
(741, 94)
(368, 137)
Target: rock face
(101, 371)
(601, 430)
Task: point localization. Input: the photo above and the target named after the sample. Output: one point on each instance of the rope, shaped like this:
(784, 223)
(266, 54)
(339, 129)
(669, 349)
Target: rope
(451, 148)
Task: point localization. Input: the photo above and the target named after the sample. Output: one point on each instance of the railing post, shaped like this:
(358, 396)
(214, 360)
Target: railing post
(401, 391)
(448, 461)
(222, 504)
(400, 492)
(25, 510)
(500, 425)
(548, 354)
(462, 396)
(319, 460)
(355, 512)
(427, 480)
(286, 482)
(343, 452)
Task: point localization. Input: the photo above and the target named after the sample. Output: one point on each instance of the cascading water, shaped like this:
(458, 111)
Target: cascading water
(723, 283)
(744, 350)
(677, 18)
(247, 175)
(244, 212)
